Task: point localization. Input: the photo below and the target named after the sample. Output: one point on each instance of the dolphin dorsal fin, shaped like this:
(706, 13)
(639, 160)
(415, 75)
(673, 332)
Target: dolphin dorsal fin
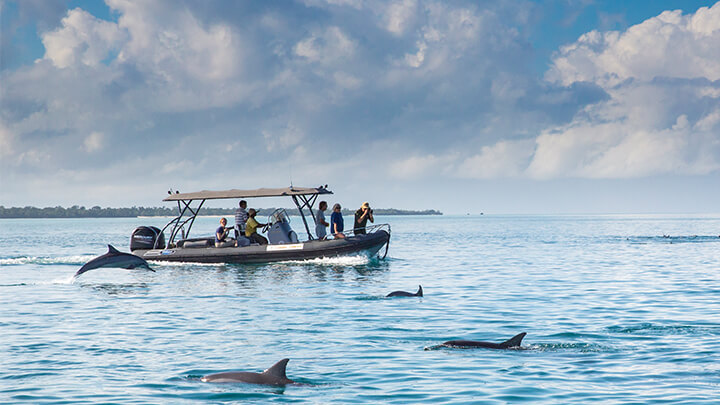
(514, 341)
(419, 293)
(278, 369)
(111, 249)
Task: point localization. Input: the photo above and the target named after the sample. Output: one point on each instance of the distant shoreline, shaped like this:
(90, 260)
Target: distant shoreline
(134, 212)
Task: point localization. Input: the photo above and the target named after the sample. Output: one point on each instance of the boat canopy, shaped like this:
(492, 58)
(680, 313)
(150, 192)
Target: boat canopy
(260, 192)
(303, 197)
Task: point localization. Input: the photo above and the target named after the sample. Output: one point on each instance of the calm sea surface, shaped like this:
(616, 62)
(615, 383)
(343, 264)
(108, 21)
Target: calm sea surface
(614, 313)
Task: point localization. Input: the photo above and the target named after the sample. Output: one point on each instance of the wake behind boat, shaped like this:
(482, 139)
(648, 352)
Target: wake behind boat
(149, 242)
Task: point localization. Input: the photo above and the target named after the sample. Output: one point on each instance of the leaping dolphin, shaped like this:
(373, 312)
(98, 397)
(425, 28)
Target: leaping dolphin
(513, 342)
(419, 293)
(115, 258)
(275, 375)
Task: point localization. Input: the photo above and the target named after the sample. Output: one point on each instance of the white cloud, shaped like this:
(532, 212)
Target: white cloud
(420, 166)
(671, 45)
(399, 16)
(277, 140)
(434, 90)
(416, 59)
(171, 43)
(503, 159)
(82, 39)
(94, 142)
(661, 117)
(326, 47)
(447, 34)
(627, 137)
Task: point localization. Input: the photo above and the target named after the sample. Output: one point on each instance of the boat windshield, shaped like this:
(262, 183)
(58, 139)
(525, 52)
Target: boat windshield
(279, 215)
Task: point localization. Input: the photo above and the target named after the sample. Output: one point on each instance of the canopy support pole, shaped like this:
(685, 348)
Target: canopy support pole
(302, 215)
(195, 214)
(179, 225)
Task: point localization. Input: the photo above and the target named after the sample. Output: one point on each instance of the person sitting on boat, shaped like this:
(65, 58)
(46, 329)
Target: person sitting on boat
(361, 217)
(251, 228)
(241, 217)
(221, 233)
(320, 223)
(336, 222)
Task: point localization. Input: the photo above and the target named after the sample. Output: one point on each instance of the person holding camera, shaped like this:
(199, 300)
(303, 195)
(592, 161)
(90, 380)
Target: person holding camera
(361, 217)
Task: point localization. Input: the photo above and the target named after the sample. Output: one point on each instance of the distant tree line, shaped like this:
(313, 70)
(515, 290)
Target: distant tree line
(98, 212)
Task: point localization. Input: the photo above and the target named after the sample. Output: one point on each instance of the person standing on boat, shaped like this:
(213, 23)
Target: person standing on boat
(221, 233)
(251, 228)
(361, 217)
(320, 223)
(337, 224)
(241, 217)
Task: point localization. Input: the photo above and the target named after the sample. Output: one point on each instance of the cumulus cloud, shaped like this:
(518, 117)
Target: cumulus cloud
(399, 16)
(645, 130)
(360, 90)
(82, 38)
(503, 159)
(173, 44)
(661, 118)
(671, 45)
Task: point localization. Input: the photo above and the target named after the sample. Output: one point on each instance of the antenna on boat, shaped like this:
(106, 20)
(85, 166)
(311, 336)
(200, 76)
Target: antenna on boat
(291, 184)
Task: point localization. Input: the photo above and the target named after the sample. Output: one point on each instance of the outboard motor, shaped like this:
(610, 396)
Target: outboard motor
(144, 237)
(280, 230)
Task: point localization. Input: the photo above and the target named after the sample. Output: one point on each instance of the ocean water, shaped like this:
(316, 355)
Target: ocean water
(614, 313)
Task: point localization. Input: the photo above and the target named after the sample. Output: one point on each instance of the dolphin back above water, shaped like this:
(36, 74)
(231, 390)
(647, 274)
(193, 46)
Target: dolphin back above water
(513, 342)
(275, 375)
(115, 258)
(419, 293)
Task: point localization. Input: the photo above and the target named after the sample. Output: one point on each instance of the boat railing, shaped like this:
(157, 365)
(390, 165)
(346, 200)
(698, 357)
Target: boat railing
(368, 229)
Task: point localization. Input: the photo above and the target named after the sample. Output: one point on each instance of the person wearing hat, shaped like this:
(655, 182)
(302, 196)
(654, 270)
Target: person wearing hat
(361, 217)
(251, 228)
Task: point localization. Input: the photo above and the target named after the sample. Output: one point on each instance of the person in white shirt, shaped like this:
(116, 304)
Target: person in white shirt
(320, 223)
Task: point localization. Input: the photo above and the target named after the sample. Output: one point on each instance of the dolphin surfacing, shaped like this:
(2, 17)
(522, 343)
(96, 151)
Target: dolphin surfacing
(275, 375)
(419, 293)
(513, 342)
(117, 259)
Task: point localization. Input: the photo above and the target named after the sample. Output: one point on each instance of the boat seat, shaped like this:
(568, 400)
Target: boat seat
(227, 243)
(196, 243)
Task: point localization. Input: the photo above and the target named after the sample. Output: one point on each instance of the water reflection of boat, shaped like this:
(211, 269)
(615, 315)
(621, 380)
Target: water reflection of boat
(149, 242)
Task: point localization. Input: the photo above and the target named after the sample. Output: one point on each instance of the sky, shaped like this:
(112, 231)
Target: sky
(500, 107)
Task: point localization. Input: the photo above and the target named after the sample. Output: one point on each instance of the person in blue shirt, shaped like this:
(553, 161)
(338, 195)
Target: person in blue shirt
(336, 222)
(221, 233)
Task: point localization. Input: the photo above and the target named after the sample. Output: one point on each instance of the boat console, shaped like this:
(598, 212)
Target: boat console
(279, 230)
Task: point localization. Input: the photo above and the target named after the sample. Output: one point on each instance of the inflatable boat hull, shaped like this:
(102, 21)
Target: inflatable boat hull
(367, 245)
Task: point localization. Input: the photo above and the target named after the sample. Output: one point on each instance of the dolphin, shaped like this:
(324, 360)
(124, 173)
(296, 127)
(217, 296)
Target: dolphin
(115, 258)
(513, 342)
(419, 293)
(275, 375)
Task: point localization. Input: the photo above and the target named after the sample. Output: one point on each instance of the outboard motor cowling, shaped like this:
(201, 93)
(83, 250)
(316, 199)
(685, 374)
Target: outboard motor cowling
(145, 237)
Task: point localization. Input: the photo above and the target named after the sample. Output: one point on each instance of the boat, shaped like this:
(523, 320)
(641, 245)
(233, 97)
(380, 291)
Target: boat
(150, 243)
